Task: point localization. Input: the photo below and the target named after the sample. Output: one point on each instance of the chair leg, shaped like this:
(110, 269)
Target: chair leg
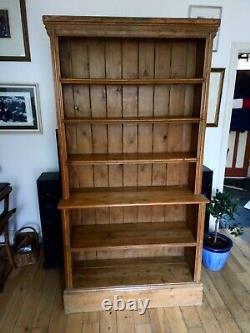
(8, 248)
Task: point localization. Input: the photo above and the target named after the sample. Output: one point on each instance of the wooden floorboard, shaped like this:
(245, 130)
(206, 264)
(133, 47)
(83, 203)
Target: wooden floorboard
(32, 302)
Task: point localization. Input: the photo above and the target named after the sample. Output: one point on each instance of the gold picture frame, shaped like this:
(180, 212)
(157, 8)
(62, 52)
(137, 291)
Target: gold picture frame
(214, 96)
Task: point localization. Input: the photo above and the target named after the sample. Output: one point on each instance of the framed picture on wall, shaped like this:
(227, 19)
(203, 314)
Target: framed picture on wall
(14, 40)
(207, 12)
(214, 96)
(19, 108)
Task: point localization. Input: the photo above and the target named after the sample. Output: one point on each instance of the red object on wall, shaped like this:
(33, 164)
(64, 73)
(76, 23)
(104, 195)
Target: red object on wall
(246, 103)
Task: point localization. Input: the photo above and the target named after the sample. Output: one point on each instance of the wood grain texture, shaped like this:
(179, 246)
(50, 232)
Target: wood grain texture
(130, 56)
(79, 300)
(60, 114)
(127, 120)
(132, 82)
(131, 235)
(66, 245)
(118, 197)
(199, 248)
(132, 158)
(130, 27)
(131, 272)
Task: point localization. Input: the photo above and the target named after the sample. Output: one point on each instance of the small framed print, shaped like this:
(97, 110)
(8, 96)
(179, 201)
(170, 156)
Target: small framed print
(14, 40)
(214, 96)
(207, 12)
(19, 108)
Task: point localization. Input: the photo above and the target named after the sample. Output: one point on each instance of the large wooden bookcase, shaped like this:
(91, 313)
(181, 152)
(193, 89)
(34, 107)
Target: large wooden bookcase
(131, 98)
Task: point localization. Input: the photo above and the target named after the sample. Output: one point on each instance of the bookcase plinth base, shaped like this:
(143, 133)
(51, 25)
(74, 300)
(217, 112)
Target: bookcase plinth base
(88, 300)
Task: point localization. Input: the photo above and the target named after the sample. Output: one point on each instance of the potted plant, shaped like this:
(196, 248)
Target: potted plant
(216, 249)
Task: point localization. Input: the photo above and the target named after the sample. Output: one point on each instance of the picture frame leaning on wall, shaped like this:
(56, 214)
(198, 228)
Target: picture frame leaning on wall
(214, 96)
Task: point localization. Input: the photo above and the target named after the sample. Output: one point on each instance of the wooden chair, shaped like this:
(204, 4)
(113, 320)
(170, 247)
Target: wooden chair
(5, 190)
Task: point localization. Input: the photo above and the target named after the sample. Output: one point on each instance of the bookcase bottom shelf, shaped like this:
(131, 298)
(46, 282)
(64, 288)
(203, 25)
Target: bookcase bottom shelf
(165, 281)
(130, 272)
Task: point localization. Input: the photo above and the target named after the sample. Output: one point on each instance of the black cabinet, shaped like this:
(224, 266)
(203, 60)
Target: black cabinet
(207, 181)
(49, 193)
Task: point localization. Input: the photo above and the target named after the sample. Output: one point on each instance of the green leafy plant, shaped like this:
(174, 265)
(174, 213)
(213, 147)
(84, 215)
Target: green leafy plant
(222, 206)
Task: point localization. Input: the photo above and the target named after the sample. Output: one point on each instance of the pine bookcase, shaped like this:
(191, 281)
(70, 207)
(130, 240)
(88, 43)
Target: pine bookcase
(131, 97)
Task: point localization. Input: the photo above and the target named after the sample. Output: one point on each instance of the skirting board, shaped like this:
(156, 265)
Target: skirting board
(88, 300)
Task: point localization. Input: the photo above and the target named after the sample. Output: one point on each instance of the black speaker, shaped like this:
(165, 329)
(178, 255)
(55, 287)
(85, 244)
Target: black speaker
(49, 193)
(207, 181)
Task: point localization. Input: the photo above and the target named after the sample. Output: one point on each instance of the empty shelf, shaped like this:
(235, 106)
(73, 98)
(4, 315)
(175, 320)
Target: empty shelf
(131, 158)
(143, 81)
(131, 120)
(131, 272)
(131, 235)
(121, 197)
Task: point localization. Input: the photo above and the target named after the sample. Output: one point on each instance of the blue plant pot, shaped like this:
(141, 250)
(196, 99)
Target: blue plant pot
(215, 259)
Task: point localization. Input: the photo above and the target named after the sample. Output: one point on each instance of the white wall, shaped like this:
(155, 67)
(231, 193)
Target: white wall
(25, 156)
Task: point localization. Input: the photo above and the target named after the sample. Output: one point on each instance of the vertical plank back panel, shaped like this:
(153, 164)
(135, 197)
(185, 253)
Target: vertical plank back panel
(80, 68)
(114, 109)
(181, 102)
(68, 103)
(161, 109)
(145, 109)
(176, 104)
(98, 101)
(190, 72)
(82, 108)
(130, 109)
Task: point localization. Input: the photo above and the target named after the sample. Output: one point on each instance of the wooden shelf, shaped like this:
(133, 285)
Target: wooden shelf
(130, 272)
(142, 81)
(132, 120)
(131, 158)
(131, 236)
(130, 196)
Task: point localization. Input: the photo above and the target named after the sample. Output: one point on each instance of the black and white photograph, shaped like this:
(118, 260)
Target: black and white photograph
(19, 108)
(4, 24)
